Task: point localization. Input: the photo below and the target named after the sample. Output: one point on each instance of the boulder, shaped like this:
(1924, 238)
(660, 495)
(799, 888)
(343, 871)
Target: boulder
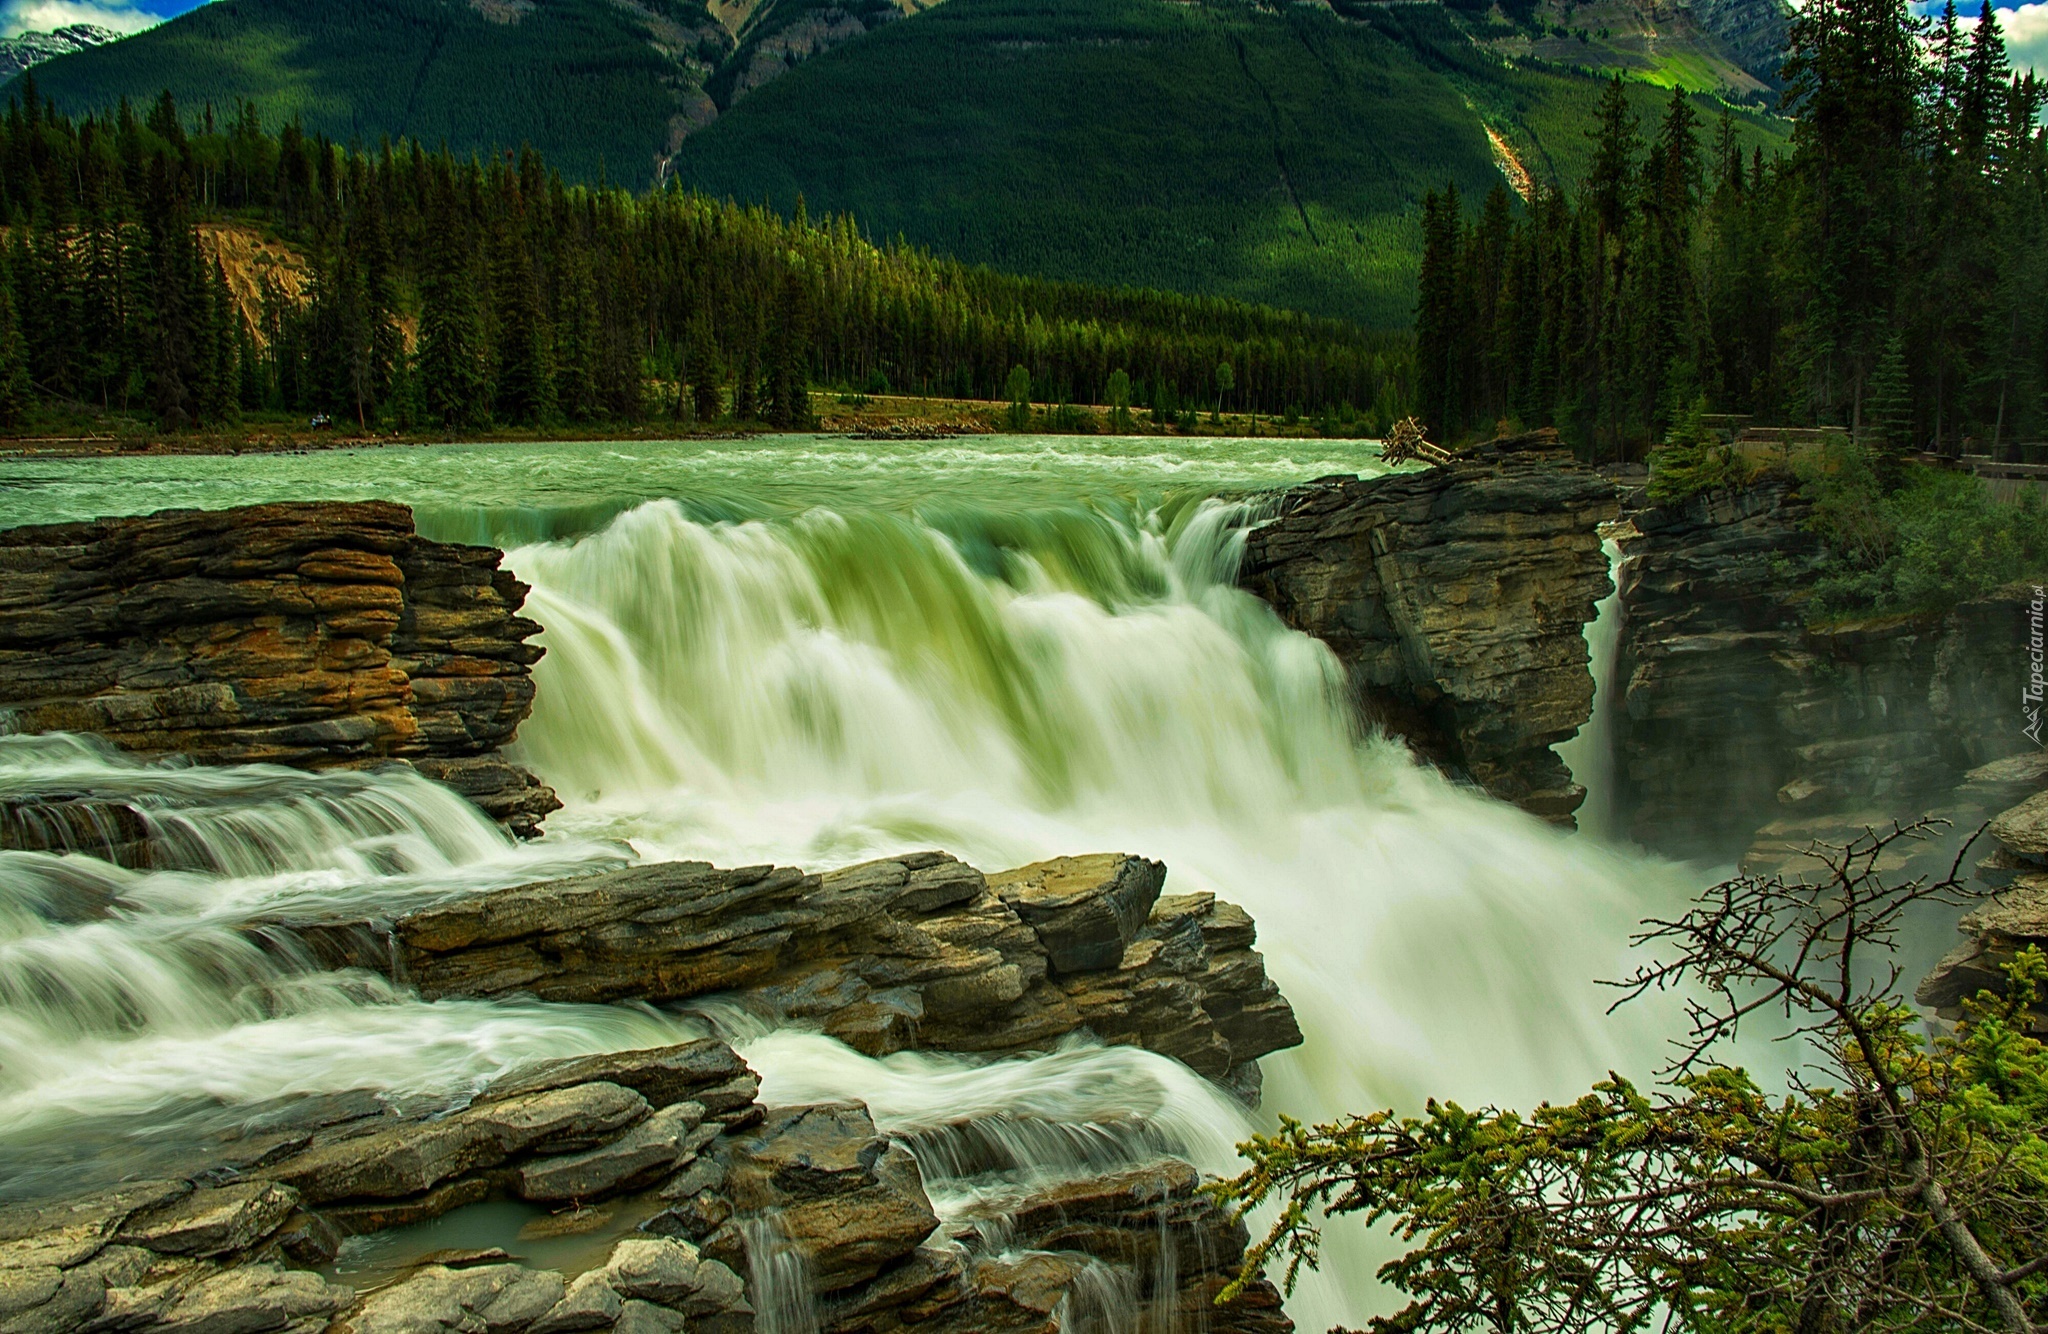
(844, 1197)
(914, 951)
(217, 1221)
(635, 1158)
(490, 1299)
(1085, 910)
(2024, 828)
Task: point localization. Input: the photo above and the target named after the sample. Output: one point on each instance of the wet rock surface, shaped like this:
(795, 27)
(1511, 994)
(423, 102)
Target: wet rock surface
(711, 1211)
(920, 951)
(809, 1205)
(1739, 716)
(1457, 598)
(2016, 918)
(313, 635)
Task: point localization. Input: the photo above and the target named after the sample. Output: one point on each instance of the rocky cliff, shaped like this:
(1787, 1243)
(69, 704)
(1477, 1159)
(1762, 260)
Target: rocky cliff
(1740, 716)
(1457, 599)
(316, 635)
(919, 951)
(2015, 865)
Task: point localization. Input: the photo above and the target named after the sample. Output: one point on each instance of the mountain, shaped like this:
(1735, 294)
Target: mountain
(1230, 147)
(1274, 153)
(33, 48)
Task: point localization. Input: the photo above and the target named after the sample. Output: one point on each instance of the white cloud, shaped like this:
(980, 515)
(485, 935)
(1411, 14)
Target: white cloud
(2026, 36)
(2025, 29)
(19, 16)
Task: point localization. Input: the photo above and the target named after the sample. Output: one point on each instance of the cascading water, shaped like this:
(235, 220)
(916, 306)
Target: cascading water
(131, 994)
(835, 650)
(1008, 687)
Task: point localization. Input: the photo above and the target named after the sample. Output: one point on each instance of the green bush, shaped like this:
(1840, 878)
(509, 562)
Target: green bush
(1693, 459)
(1939, 538)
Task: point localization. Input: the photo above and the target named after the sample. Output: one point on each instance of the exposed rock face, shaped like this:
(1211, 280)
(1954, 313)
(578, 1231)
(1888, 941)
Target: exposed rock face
(765, 1206)
(306, 634)
(33, 48)
(915, 951)
(2017, 917)
(1739, 716)
(1755, 32)
(1457, 598)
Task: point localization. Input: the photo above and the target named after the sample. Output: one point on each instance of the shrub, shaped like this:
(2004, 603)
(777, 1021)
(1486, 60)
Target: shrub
(1938, 538)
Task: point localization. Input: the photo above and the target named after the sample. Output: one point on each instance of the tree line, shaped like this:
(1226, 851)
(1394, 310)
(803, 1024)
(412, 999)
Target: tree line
(461, 293)
(1888, 275)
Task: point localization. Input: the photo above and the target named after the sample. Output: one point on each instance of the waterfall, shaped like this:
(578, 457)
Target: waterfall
(828, 650)
(125, 992)
(1591, 754)
(1015, 685)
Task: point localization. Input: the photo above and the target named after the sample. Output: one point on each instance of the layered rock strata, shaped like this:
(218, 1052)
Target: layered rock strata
(2016, 917)
(745, 1211)
(313, 635)
(1457, 599)
(918, 951)
(1739, 715)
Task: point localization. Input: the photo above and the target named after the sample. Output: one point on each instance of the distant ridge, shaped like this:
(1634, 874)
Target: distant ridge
(33, 48)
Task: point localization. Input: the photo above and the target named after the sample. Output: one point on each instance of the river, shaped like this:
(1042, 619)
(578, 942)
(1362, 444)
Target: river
(811, 651)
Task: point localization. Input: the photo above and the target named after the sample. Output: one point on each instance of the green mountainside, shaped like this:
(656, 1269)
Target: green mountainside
(1275, 154)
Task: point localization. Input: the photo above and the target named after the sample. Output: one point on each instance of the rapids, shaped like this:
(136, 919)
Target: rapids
(811, 654)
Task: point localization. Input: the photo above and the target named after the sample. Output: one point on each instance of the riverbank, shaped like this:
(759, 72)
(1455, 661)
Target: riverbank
(888, 416)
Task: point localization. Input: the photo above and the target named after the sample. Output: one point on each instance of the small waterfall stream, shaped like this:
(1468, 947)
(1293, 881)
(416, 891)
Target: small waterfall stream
(1591, 754)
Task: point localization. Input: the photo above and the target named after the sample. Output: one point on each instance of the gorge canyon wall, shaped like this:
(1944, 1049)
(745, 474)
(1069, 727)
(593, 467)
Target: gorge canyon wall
(1457, 599)
(1740, 713)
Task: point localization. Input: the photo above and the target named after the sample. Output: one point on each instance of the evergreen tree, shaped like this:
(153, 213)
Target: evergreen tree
(1888, 426)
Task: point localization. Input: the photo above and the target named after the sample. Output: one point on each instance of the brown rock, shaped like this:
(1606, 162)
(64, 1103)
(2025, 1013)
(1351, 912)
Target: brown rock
(1456, 599)
(307, 634)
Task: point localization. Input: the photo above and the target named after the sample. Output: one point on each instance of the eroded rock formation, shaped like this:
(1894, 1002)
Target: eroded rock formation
(1457, 598)
(1739, 716)
(315, 635)
(918, 951)
(2016, 918)
(740, 1207)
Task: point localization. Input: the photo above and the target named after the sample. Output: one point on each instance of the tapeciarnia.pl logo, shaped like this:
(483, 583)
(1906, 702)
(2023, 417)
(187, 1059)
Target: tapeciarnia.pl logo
(2030, 698)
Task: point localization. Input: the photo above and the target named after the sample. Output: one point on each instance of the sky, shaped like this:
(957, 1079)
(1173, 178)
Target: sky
(2026, 27)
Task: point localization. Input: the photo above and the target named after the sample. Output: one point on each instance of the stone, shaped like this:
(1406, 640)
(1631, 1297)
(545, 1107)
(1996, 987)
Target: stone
(1738, 707)
(634, 1158)
(1085, 910)
(1456, 598)
(2024, 828)
(590, 1303)
(64, 1233)
(253, 1298)
(1998, 929)
(411, 1159)
(214, 1222)
(311, 634)
(847, 1199)
(662, 1075)
(1010, 968)
(656, 1269)
(492, 1299)
(647, 1318)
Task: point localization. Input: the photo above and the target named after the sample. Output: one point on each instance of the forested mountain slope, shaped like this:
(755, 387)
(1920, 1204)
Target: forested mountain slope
(1274, 154)
(1222, 148)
